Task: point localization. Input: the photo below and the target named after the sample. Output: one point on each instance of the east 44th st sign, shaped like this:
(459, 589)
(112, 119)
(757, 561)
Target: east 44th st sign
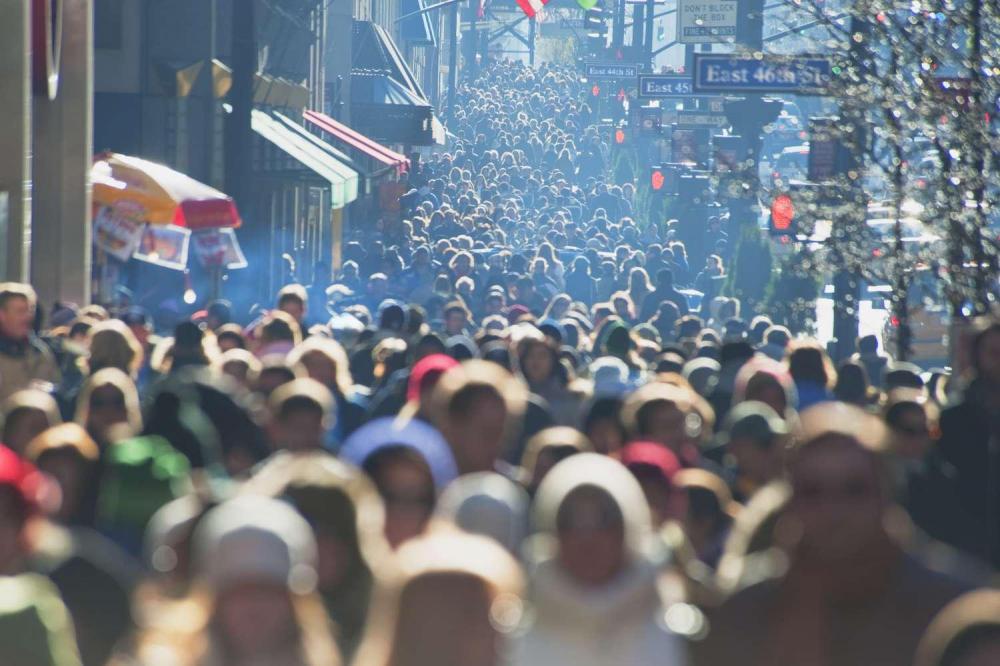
(724, 73)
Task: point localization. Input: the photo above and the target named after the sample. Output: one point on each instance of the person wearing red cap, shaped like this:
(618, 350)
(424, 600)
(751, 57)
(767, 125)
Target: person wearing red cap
(425, 376)
(655, 467)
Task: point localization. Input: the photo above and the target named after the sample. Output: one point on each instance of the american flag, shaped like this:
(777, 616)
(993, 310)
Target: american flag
(531, 7)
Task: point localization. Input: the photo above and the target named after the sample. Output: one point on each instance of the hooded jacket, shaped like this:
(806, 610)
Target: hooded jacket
(22, 362)
(617, 623)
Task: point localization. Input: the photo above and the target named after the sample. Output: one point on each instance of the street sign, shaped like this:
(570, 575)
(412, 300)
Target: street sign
(722, 73)
(701, 119)
(706, 21)
(660, 86)
(610, 70)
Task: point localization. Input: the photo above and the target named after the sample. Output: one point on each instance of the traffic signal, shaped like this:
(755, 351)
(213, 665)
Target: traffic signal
(796, 208)
(595, 27)
(782, 215)
(657, 178)
(619, 136)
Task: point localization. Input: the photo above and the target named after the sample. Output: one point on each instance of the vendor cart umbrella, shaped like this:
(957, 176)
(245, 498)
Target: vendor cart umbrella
(157, 194)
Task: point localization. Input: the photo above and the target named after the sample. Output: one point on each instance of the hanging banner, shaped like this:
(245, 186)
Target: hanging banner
(116, 234)
(165, 245)
(218, 248)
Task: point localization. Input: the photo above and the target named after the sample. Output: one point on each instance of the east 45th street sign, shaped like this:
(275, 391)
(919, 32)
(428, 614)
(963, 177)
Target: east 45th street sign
(659, 86)
(726, 73)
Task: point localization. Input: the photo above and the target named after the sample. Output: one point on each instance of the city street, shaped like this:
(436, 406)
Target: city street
(499, 333)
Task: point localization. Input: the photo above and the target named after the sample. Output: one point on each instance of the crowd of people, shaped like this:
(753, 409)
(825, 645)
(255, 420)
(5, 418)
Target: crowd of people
(518, 427)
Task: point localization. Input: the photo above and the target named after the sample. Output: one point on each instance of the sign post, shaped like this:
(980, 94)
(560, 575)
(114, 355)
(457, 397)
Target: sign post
(706, 21)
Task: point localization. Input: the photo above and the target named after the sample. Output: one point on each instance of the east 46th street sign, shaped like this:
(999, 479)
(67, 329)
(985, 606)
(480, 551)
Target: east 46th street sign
(725, 73)
(659, 86)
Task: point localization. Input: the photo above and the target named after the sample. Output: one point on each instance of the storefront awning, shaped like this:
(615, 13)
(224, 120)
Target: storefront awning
(373, 49)
(314, 154)
(359, 142)
(387, 102)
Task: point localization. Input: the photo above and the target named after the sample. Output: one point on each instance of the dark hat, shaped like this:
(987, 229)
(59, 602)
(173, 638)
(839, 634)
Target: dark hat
(187, 335)
(461, 348)
(135, 316)
(753, 420)
(553, 329)
(903, 375)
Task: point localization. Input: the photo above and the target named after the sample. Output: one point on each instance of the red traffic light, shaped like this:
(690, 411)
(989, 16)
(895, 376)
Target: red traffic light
(596, 90)
(782, 212)
(657, 180)
(619, 136)
(621, 95)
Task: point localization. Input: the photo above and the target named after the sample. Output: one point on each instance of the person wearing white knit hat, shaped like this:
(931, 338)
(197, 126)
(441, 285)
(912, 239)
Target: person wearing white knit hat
(255, 569)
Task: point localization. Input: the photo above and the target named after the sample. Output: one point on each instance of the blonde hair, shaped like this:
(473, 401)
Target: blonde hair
(443, 554)
(277, 326)
(672, 393)
(63, 437)
(113, 345)
(117, 379)
(334, 353)
(288, 475)
(472, 375)
(554, 436)
(30, 399)
(242, 357)
(184, 633)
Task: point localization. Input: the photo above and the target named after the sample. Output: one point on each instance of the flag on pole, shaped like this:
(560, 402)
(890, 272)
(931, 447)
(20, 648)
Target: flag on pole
(532, 7)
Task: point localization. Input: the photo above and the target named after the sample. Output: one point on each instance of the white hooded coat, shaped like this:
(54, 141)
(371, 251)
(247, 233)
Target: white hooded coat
(619, 623)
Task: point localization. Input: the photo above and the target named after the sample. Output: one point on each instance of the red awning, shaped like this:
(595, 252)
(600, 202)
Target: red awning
(357, 140)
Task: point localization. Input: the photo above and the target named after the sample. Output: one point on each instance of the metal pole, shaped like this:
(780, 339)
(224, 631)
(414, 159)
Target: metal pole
(452, 59)
(650, 32)
(238, 132)
(618, 26)
(473, 37)
(428, 8)
(846, 280)
(532, 32)
(639, 30)
(986, 263)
